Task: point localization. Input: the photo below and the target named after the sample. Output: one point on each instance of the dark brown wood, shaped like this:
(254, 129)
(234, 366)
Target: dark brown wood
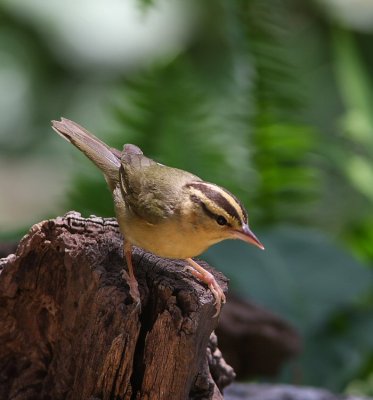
(69, 330)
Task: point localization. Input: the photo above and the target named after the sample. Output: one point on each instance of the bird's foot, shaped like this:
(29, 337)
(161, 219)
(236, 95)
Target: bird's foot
(134, 288)
(206, 277)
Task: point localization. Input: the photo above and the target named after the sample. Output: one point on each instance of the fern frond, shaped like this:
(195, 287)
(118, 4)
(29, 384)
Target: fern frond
(283, 143)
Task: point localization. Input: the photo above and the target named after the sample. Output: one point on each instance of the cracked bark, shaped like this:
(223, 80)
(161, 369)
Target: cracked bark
(69, 329)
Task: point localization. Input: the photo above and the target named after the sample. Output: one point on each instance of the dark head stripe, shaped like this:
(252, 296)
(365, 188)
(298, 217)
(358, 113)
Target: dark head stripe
(242, 208)
(218, 199)
(206, 210)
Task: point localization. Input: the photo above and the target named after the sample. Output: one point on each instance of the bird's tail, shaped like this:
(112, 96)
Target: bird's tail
(104, 157)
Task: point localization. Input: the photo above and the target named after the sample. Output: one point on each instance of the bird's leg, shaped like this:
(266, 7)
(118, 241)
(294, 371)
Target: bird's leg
(130, 277)
(207, 278)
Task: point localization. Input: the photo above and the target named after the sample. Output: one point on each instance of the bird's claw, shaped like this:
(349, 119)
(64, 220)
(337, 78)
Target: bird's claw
(219, 296)
(209, 279)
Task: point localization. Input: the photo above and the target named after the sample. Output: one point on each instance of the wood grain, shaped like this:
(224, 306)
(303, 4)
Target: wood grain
(69, 329)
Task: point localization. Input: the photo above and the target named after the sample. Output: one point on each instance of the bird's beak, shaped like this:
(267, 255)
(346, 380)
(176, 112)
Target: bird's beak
(248, 236)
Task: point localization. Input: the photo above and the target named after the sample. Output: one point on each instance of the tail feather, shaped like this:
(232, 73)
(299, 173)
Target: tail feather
(105, 158)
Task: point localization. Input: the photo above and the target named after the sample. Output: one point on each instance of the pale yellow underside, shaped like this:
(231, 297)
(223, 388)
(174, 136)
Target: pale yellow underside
(171, 238)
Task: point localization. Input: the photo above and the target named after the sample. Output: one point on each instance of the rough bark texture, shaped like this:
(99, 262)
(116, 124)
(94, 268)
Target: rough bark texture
(282, 392)
(69, 330)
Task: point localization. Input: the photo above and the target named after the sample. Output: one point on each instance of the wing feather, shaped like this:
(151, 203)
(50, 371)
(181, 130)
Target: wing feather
(152, 191)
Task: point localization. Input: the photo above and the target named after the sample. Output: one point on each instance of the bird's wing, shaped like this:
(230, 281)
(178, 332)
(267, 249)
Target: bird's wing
(151, 190)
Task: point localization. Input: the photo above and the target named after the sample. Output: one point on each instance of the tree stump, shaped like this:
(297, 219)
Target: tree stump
(70, 330)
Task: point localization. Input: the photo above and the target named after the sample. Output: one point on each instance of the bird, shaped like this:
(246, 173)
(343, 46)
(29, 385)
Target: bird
(167, 211)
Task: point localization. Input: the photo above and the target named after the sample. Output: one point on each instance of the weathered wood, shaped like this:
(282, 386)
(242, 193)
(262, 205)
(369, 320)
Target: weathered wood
(69, 330)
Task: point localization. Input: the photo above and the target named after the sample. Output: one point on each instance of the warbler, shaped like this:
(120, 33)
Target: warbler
(166, 211)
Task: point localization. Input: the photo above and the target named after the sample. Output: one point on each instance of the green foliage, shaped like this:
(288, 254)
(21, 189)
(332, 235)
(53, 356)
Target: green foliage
(301, 274)
(167, 114)
(157, 100)
(361, 387)
(317, 286)
(283, 142)
(272, 101)
(230, 108)
(90, 195)
(234, 129)
(355, 87)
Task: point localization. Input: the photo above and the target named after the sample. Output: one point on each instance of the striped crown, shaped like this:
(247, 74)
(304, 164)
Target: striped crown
(218, 203)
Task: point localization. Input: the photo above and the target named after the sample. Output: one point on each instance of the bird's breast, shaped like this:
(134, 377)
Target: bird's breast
(169, 238)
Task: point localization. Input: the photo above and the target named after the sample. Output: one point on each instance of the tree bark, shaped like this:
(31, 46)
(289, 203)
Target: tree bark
(70, 330)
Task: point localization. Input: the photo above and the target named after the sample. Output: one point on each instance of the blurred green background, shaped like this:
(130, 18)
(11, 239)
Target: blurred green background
(271, 99)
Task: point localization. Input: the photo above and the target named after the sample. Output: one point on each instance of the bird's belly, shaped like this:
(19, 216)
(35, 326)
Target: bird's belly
(168, 239)
(165, 240)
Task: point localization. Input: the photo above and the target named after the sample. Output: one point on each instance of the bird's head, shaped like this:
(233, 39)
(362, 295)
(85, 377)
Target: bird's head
(218, 214)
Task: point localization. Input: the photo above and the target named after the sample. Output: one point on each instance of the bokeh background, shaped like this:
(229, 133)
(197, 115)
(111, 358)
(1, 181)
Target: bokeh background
(269, 98)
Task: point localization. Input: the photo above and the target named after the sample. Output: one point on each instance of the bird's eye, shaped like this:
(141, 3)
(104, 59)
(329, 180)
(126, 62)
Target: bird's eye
(221, 220)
